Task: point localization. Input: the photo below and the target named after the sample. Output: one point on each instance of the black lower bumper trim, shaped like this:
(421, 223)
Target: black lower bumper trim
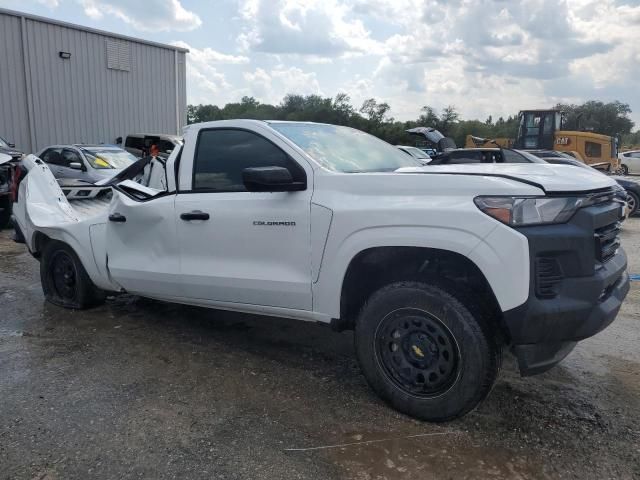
(538, 358)
(573, 293)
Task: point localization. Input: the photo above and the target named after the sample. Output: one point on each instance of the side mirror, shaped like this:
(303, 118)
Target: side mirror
(76, 166)
(119, 141)
(270, 179)
(11, 145)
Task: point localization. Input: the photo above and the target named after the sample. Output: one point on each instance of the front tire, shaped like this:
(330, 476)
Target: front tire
(424, 352)
(624, 169)
(64, 280)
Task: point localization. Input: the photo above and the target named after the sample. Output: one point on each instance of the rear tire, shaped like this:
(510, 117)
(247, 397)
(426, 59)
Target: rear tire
(5, 212)
(424, 352)
(64, 280)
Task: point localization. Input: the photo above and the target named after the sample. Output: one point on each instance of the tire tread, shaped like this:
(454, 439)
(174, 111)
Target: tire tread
(475, 319)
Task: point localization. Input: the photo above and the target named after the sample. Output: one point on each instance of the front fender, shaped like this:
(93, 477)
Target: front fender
(506, 268)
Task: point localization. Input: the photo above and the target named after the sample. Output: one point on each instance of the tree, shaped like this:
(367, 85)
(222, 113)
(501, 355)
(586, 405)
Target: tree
(374, 111)
(428, 117)
(203, 113)
(448, 118)
(606, 118)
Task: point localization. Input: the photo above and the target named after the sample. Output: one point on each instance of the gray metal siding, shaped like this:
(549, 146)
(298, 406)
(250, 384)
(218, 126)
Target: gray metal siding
(80, 99)
(182, 90)
(14, 123)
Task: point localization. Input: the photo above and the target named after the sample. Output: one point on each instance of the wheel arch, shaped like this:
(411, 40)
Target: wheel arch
(375, 267)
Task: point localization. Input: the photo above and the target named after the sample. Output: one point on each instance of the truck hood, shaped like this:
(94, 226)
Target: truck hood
(550, 178)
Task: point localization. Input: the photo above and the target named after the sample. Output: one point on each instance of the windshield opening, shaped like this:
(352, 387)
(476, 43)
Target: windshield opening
(106, 159)
(344, 149)
(417, 153)
(528, 158)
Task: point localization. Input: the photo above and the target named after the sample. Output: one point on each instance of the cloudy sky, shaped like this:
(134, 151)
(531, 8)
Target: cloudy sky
(483, 56)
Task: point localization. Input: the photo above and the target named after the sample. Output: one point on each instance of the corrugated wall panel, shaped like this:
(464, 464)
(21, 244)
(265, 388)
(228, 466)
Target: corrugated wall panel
(182, 88)
(14, 122)
(80, 99)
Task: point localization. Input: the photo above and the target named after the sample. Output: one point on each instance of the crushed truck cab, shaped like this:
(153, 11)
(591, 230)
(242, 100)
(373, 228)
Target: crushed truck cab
(437, 269)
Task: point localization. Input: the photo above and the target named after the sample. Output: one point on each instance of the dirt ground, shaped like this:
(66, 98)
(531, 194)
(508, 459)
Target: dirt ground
(145, 389)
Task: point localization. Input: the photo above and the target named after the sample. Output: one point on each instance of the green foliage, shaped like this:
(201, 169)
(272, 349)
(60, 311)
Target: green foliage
(608, 118)
(631, 139)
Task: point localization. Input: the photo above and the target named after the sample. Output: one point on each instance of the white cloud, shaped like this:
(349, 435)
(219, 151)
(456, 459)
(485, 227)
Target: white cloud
(206, 83)
(210, 56)
(150, 15)
(319, 28)
(271, 87)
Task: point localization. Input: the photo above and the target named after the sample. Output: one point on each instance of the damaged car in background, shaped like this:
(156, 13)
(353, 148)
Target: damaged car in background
(437, 269)
(9, 158)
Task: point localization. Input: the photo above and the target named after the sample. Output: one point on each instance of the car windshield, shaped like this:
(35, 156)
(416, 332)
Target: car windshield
(417, 153)
(3, 143)
(527, 155)
(108, 158)
(343, 149)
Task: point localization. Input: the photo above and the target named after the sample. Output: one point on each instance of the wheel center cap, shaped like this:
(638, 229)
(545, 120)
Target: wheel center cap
(420, 349)
(417, 350)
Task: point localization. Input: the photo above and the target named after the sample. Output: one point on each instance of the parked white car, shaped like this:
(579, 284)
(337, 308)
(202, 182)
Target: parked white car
(630, 162)
(415, 152)
(437, 269)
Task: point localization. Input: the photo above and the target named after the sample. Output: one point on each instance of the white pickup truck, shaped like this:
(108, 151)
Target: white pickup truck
(437, 269)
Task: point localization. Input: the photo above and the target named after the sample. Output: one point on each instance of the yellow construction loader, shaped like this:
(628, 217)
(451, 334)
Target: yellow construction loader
(542, 130)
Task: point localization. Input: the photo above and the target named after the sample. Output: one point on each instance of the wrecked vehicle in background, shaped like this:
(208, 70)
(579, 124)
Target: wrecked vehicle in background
(84, 162)
(437, 269)
(9, 158)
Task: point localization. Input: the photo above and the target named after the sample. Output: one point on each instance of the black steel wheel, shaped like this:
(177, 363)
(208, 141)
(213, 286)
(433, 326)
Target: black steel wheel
(63, 276)
(425, 352)
(64, 280)
(418, 352)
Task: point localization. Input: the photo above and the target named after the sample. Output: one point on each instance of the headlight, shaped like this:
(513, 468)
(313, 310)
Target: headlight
(522, 211)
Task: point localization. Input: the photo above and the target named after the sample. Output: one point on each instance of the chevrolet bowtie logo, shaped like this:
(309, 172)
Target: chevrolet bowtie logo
(417, 351)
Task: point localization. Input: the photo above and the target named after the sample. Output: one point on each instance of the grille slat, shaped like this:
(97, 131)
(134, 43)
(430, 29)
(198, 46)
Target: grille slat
(607, 241)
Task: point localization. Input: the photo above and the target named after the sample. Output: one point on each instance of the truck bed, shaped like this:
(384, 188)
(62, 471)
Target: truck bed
(85, 199)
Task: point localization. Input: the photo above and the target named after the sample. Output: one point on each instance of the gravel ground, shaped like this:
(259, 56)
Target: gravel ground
(145, 389)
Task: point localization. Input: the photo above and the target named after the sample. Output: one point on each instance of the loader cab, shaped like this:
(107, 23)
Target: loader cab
(537, 129)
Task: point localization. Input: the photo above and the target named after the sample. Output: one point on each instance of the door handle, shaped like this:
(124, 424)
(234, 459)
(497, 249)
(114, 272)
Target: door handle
(194, 215)
(117, 217)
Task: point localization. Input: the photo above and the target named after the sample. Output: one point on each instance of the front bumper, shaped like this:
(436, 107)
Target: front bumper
(583, 298)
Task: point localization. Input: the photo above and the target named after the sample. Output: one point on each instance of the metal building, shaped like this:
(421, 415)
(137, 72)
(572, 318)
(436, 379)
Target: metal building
(64, 83)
